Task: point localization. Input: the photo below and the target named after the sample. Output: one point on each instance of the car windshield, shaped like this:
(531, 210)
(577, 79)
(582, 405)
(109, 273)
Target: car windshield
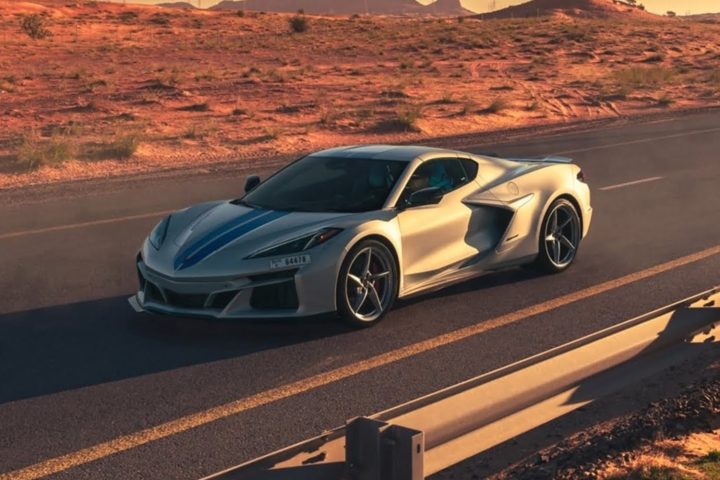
(328, 184)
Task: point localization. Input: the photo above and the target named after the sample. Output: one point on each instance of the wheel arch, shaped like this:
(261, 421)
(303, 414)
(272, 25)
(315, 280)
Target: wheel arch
(379, 238)
(570, 198)
(385, 241)
(546, 208)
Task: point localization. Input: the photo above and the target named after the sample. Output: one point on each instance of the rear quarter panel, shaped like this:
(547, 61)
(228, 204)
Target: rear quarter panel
(529, 195)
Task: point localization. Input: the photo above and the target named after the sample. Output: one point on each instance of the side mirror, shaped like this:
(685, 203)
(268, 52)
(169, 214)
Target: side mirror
(426, 196)
(251, 182)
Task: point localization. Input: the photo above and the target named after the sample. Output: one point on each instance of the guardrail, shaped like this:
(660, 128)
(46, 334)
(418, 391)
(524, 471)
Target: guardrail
(422, 437)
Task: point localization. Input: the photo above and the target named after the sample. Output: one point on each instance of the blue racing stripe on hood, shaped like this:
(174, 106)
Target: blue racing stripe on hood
(224, 235)
(196, 245)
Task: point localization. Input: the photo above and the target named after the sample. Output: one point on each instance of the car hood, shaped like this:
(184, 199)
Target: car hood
(213, 235)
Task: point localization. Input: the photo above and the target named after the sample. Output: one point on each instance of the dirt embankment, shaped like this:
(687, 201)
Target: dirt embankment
(676, 438)
(92, 89)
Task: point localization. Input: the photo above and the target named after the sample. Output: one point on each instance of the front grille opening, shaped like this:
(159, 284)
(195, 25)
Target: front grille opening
(222, 299)
(152, 293)
(280, 296)
(274, 275)
(141, 280)
(185, 300)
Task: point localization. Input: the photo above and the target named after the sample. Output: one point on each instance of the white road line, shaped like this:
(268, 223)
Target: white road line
(636, 142)
(634, 182)
(72, 226)
(154, 214)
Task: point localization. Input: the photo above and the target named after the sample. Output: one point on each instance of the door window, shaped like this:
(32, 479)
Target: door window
(445, 174)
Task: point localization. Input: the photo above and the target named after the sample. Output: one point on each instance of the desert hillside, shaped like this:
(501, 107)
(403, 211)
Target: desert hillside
(177, 5)
(603, 9)
(94, 89)
(348, 7)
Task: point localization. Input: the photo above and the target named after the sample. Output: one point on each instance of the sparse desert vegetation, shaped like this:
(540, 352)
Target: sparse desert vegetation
(151, 87)
(690, 459)
(34, 26)
(35, 152)
(299, 23)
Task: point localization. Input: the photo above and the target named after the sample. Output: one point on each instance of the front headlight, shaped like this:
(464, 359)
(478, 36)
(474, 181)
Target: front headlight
(300, 244)
(157, 236)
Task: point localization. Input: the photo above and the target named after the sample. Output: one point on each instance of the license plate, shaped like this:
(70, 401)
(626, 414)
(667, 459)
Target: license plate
(290, 261)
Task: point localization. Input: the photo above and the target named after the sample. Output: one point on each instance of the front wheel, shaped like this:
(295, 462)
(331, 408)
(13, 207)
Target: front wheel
(367, 285)
(560, 237)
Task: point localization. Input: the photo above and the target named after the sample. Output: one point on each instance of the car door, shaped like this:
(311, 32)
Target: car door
(433, 236)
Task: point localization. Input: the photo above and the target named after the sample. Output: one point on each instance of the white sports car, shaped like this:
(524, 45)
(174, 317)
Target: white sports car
(350, 230)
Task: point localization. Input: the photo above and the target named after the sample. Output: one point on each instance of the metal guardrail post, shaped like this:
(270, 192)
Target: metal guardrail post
(376, 450)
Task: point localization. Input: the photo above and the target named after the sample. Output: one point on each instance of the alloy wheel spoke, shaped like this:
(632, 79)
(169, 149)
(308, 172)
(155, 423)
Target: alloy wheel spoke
(360, 300)
(374, 298)
(565, 223)
(554, 221)
(565, 241)
(368, 259)
(556, 251)
(378, 276)
(355, 279)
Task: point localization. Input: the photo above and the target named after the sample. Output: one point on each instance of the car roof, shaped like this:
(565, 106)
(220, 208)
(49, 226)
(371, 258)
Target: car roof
(405, 153)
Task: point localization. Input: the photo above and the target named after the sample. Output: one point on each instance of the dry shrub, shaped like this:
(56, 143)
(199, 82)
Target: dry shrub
(497, 105)
(34, 26)
(299, 24)
(405, 119)
(122, 146)
(643, 77)
(36, 152)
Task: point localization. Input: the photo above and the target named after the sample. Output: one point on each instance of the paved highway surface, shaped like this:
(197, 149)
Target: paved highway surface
(85, 381)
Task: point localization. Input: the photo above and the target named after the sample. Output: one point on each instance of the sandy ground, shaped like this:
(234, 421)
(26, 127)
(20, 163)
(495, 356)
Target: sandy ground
(193, 88)
(693, 457)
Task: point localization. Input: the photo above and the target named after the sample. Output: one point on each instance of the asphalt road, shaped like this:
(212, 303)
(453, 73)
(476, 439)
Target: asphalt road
(78, 368)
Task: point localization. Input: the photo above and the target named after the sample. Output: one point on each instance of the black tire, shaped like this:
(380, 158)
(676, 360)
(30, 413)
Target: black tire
(558, 254)
(353, 281)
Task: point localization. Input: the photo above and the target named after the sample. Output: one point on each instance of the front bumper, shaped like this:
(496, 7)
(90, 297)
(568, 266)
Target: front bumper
(297, 292)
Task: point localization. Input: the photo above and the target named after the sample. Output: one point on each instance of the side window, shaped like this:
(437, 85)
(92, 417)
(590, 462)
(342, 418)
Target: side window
(471, 168)
(446, 175)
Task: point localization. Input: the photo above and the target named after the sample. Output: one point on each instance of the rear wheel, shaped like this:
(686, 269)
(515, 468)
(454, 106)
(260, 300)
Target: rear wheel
(367, 285)
(560, 237)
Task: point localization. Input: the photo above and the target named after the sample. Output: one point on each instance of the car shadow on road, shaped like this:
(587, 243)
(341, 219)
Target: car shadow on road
(59, 348)
(65, 347)
(488, 280)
